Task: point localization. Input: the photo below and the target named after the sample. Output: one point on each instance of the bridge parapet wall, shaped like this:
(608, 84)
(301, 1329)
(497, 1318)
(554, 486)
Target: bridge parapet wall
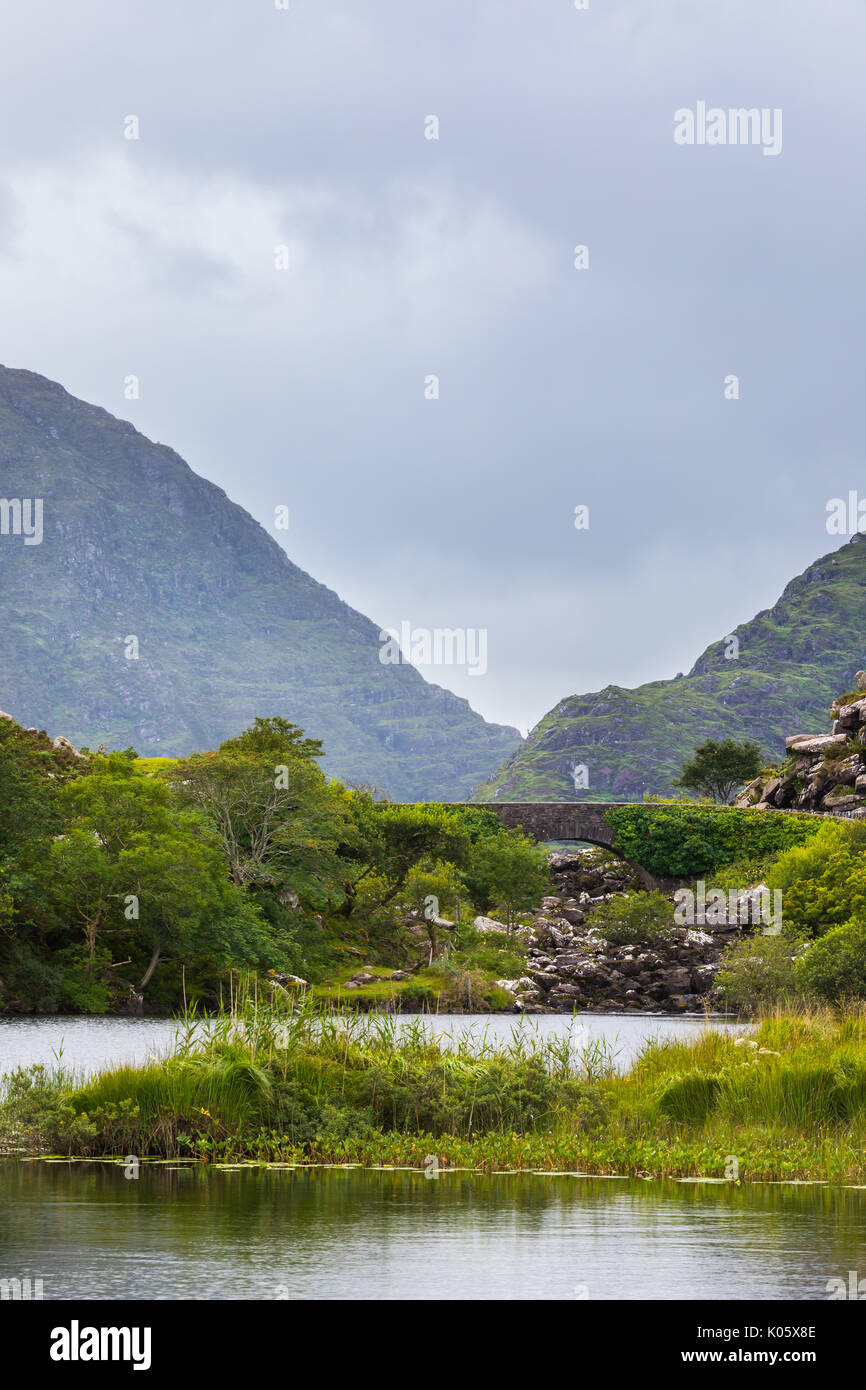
(554, 820)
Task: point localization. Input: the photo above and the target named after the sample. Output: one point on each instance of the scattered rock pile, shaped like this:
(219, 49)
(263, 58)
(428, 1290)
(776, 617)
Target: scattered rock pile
(571, 967)
(822, 772)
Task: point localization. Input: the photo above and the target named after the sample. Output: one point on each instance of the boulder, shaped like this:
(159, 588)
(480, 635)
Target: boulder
(61, 743)
(699, 938)
(484, 924)
(676, 980)
(573, 915)
(545, 979)
(840, 799)
(815, 743)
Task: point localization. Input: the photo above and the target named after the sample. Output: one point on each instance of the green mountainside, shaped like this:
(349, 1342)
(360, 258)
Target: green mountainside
(793, 660)
(136, 544)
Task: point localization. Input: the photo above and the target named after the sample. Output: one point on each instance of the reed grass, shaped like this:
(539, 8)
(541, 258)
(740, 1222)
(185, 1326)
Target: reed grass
(275, 1079)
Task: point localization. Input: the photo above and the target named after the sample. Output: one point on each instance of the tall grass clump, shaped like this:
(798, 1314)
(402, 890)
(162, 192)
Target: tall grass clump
(275, 1078)
(280, 1066)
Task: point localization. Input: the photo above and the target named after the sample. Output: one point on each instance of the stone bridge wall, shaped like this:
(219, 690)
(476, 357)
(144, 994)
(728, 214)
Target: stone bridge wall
(554, 820)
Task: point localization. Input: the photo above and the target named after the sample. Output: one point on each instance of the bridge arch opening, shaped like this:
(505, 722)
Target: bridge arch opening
(566, 822)
(648, 880)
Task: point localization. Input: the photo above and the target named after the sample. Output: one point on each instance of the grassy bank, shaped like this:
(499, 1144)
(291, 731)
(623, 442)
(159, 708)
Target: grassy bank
(276, 1083)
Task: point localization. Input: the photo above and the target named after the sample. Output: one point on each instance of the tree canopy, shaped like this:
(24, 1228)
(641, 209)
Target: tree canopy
(719, 769)
(126, 879)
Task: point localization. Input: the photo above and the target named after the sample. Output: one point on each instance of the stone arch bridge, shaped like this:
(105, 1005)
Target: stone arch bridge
(569, 820)
(559, 820)
(586, 821)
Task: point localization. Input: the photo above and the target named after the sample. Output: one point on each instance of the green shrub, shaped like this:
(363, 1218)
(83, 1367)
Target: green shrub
(849, 699)
(823, 882)
(638, 919)
(834, 967)
(802, 1092)
(682, 841)
(690, 1098)
(837, 752)
(758, 971)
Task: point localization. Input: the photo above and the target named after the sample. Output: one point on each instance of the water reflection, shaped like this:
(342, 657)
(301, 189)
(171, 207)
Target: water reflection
(185, 1232)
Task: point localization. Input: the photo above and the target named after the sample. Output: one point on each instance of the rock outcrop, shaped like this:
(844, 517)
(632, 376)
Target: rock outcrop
(825, 773)
(61, 748)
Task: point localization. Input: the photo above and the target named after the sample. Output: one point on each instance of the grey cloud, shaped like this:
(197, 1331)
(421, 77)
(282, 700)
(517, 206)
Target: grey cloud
(454, 257)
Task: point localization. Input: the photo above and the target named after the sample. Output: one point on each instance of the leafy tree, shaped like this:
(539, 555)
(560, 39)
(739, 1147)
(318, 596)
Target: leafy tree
(275, 740)
(758, 970)
(278, 820)
(31, 772)
(433, 880)
(511, 870)
(719, 769)
(136, 876)
(431, 891)
(386, 841)
(6, 905)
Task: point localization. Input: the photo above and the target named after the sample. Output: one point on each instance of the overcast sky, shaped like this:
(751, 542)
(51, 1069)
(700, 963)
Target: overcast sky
(409, 257)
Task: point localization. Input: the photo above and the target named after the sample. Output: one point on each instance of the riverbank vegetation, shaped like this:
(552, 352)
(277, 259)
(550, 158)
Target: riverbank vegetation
(683, 839)
(130, 884)
(268, 1080)
(143, 885)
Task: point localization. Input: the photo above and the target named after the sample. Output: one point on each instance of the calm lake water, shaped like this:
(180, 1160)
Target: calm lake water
(181, 1232)
(187, 1233)
(90, 1044)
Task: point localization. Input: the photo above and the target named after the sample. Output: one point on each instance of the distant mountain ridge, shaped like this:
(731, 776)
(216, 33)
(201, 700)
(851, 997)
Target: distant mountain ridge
(136, 544)
(792, 661)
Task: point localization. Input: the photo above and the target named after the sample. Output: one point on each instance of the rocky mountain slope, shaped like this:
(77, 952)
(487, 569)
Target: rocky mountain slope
(135, 544)
(790, 662)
